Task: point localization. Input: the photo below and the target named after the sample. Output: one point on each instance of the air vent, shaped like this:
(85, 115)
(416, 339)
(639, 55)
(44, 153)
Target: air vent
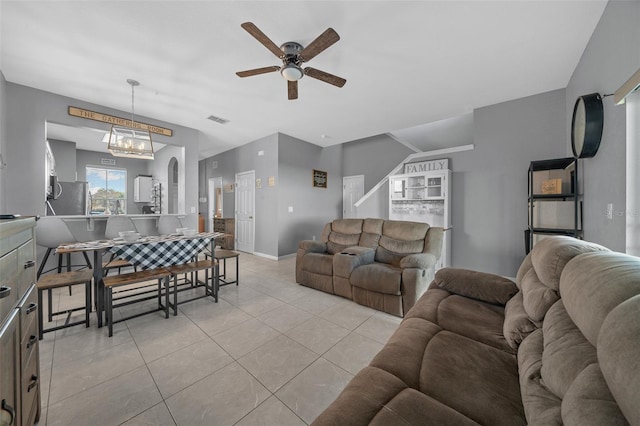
(214, 164)
(217, 119)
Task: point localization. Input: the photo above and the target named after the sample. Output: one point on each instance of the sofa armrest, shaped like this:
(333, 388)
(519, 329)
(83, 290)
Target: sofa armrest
(350, 258)
(483, 286)
(418, 260)
(313, 246)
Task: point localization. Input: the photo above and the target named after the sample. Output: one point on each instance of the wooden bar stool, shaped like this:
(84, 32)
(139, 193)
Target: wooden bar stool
(64, 279)
(224, 255)
(160, 274)
(194, 267)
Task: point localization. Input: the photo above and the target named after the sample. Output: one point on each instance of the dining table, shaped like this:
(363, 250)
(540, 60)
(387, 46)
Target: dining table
(149, 252)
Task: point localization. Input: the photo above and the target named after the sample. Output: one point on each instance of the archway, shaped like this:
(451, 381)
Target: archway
(172, 187)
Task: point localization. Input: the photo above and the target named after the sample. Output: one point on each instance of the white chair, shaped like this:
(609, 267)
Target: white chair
(50, 233)
(168, 225)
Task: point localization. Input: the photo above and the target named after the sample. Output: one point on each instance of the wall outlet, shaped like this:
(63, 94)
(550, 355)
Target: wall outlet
(313, 237)
(610, 211)
(260, 153)
(193, 209)
(290, 209)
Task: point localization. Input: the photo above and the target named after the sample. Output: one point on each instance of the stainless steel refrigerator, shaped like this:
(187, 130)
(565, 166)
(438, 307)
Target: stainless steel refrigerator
(72, 198)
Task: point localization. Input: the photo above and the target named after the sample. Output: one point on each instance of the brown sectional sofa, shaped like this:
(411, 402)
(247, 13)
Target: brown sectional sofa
(561, 345)
(384, 264)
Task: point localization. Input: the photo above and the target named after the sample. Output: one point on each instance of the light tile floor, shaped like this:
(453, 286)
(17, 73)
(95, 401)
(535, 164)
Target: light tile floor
(270, 352)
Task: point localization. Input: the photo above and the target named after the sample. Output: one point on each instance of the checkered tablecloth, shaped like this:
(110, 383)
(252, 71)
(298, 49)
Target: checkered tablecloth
(162, 252)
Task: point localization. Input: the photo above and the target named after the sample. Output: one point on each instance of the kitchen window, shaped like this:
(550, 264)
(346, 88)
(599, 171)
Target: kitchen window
(108, 189)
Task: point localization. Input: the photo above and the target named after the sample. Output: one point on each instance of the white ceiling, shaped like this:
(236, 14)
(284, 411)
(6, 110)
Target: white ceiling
(406, 63)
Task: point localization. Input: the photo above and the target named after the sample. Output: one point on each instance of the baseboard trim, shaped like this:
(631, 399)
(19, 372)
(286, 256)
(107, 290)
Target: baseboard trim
(268, 256)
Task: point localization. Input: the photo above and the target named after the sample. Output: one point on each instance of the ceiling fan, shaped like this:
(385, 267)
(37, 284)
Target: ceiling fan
(293, 55)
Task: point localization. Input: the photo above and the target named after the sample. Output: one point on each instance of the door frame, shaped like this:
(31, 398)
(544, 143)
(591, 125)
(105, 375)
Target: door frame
(253, 221)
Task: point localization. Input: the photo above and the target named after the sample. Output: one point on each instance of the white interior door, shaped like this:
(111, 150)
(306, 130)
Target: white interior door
(352, 191)
(245, 211)
(212, 185)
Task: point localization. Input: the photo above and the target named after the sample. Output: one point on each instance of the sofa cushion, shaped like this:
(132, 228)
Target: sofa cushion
(404, 231)
(344, 233)
(537, 297)
(366, 395)
(318, 263)
(566, 351)
(475, 379)
(618, 349)
(541, 406)
(550, 256)
(591, 293)
(589, 401)
(377, 277)
(474, 319)
(478, 285)
(517, 324)
(410, 407)
(371, 232)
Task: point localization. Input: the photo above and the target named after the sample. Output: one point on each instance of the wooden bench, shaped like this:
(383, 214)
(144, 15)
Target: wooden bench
(194, 267)
(160, 274)
(64, 279)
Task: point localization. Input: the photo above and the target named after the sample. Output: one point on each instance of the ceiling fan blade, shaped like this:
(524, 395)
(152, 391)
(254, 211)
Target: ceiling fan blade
(292, 87)
(256, 71)
(262, 38)
(323, 41)
(325, 76)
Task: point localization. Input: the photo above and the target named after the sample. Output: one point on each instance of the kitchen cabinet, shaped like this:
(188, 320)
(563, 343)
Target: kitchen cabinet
(228, 227)
(424, 197)
(19, 346)
(142, 189)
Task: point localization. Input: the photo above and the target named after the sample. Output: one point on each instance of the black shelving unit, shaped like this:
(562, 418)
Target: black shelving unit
(568, 199)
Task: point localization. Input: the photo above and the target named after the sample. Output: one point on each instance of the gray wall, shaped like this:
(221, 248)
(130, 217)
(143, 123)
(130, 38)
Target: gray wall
(611, 57)
(489, 184)
(27, 111)
(312, 207)
(244, 159)
(374, 158)
(290, 161)
(65, 155)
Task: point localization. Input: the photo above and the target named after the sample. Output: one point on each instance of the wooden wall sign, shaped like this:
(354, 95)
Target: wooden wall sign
(319, 179)
(427, 166)
(118, 121)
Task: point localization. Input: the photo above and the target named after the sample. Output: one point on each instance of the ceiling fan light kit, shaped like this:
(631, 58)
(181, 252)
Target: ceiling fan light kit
(292, 55)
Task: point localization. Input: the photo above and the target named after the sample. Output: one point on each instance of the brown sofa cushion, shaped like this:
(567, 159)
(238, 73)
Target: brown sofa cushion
(377, 277)
(344, 233)
(474, 379)
(517, 324)
(478, 285)
(537, 297)
(477, 320)
(318, 263)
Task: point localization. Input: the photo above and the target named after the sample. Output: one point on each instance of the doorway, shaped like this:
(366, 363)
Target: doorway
(214, 193)
(352, 191)
(245, 211)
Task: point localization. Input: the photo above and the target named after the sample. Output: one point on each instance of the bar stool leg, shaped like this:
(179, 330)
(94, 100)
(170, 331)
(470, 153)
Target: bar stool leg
(87, 301)
(49, 305)
(175, 295)
(40, 316)
(109, 313)
(167, 285)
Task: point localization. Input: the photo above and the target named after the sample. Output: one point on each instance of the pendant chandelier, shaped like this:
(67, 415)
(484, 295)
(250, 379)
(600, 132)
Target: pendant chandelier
(133, 141)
